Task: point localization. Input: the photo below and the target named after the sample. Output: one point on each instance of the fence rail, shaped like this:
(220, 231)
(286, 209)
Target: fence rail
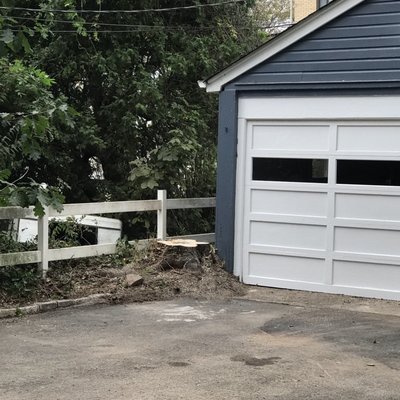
(107, 208)
(44, 255)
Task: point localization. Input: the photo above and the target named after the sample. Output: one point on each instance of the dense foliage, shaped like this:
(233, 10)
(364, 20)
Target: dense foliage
(31, 117)
(141, 121)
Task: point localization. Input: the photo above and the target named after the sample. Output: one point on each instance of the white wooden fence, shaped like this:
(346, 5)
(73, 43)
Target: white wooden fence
(43, 254)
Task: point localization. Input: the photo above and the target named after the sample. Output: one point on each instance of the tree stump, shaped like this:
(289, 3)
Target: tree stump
(185, 254)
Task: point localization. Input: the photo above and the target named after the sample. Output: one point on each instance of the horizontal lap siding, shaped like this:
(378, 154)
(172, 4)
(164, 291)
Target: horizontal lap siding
(361, 46)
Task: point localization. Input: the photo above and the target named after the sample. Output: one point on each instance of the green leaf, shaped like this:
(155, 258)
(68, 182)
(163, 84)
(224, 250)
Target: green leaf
(7, 36)
(3, 49)
(43, 197)
(24, 42)
(19, 197)
(41, 124)
(38, 209)
(4, 174)
(26, 126)
(149, 184)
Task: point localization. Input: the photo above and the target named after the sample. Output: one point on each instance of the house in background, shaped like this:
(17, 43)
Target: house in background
(308, 185)
(302, 8)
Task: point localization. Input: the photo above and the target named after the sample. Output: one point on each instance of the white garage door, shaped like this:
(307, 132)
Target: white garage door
(318, 199)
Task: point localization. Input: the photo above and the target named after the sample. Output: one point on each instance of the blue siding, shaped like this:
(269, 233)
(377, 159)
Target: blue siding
(362, 46)
(226, 176)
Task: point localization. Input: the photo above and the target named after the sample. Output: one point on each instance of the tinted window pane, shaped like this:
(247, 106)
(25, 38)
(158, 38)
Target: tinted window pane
(290, 170)
(368, 172)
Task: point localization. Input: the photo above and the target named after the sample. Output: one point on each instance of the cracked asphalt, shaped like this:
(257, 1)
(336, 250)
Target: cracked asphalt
(188, 349)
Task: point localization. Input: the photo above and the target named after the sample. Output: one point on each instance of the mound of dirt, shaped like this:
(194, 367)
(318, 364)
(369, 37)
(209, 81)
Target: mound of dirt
(166, 272)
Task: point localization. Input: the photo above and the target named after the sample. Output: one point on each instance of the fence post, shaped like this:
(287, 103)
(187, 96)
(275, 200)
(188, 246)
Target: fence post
(162, 215)
(43, 242)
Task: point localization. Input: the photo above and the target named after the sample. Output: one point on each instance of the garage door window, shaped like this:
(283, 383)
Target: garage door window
(290, 170)
(368, 172)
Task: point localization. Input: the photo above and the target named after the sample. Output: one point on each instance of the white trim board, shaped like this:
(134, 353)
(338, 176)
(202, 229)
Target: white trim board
(279, 43)
(352, 108)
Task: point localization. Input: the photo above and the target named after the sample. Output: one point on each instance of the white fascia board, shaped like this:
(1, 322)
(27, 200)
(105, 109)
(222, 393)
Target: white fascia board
(282, 41)
(331, 108)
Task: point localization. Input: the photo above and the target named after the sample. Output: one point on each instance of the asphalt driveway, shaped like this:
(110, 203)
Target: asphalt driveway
(187, 349)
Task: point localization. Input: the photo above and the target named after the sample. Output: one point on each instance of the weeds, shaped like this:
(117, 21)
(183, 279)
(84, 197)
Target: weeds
(19, 281)
(23, 281)
(9, 245)
(70, 233)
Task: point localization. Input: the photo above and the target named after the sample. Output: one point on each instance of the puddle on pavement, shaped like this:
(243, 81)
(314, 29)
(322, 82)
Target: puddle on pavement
(254, 361)
(178, 364)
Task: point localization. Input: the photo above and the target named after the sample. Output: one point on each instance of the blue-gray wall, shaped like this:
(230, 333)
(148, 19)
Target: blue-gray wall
(226, 176)
(357, 53)
(360, 47)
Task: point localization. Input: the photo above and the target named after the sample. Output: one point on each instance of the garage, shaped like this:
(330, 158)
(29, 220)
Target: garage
(308, 190)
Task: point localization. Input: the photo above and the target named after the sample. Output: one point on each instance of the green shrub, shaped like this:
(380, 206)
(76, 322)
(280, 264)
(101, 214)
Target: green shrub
(9, 245)
(19, 281)
(69, 233)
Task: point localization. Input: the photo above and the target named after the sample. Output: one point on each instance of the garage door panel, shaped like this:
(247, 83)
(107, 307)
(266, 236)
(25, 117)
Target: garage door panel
(321, 202)
(362, 206)
(366, 275)
(362, 138)
(367, 241)
(286, 267)
(290, 137)
(288, 235)
(289, 202)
